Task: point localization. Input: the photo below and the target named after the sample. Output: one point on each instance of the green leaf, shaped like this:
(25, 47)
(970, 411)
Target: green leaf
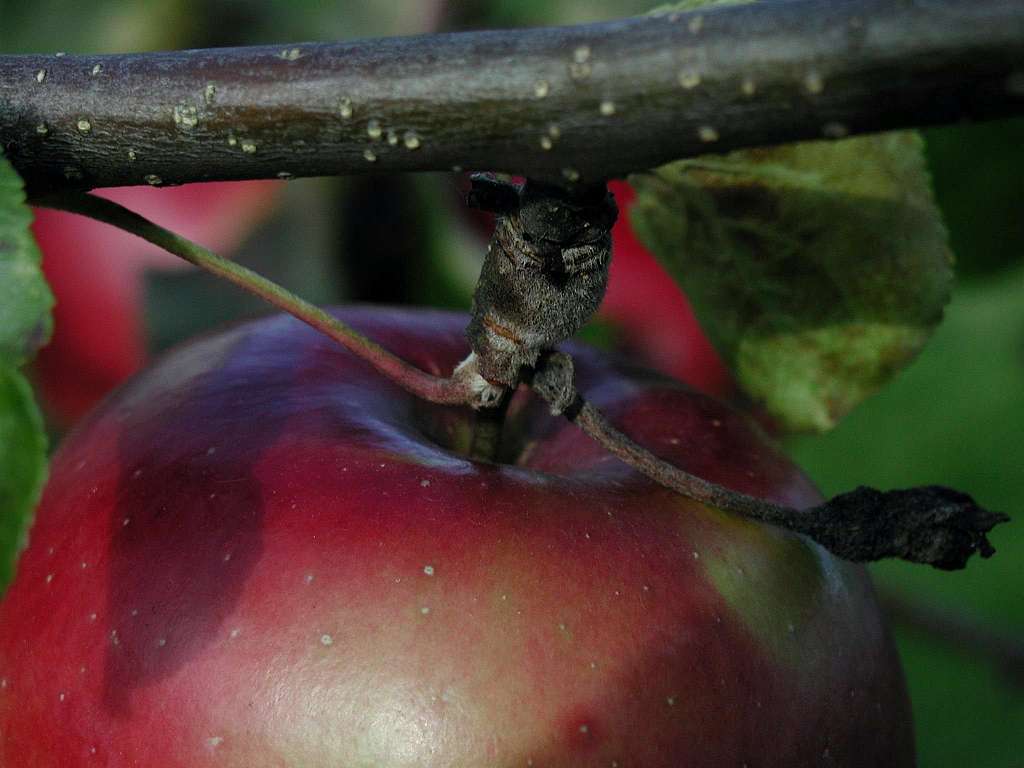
(25, 323)
(25, 298)
(818, 269)
(22, 466)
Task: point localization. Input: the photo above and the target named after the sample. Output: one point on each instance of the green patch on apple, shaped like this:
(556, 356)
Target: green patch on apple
(749, 554)
(818, 269)
(25, 302)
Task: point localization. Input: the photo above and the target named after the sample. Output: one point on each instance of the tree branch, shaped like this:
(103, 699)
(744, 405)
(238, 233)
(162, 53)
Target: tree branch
(559, 103)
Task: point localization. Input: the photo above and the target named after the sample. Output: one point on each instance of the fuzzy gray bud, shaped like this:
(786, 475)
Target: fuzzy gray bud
(545, 272)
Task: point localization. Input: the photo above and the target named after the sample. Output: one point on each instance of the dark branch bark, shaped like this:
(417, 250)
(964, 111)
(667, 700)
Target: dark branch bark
(574, 102)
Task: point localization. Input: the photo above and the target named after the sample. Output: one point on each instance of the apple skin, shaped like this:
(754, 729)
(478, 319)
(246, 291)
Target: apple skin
(258, 553)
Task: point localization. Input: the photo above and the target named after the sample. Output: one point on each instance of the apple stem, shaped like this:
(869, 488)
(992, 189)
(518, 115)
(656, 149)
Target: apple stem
(488, 425)
(435, 389)
(930, 524)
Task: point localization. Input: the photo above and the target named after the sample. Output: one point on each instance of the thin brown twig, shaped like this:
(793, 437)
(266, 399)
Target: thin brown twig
(928, 524)
(434, 389)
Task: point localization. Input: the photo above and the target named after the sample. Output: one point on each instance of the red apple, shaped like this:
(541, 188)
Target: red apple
(260, 553)
(96, 274)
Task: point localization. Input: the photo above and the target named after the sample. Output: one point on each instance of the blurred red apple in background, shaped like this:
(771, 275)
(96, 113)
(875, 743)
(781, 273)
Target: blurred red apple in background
(260, 553)
(654, 313)
(96, 273)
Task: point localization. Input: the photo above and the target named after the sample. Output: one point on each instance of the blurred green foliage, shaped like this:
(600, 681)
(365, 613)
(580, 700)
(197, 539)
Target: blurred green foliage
(956, 416)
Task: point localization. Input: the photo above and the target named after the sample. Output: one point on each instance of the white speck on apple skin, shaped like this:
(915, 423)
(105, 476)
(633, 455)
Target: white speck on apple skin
(213, 742)
(428, 570)
(326, 640)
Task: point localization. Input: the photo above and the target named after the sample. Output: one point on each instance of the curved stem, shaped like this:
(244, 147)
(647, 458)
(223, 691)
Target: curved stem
(420, 383)
(488, 425)
(929, 524)
(594, 424)
(589, 101)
